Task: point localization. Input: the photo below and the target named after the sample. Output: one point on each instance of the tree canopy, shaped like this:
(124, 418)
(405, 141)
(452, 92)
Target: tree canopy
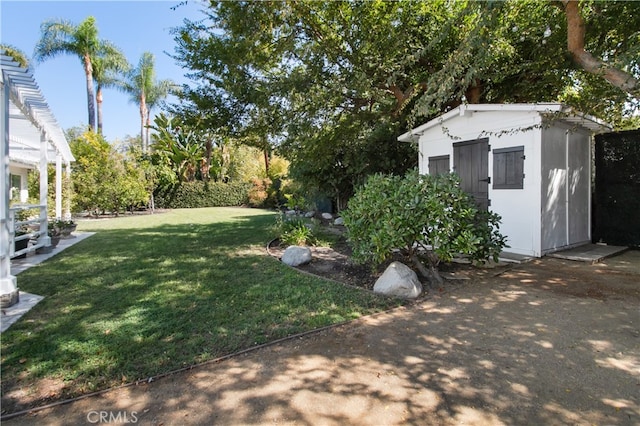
(331, 84)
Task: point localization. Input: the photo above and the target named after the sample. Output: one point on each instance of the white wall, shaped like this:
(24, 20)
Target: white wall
(519, 208)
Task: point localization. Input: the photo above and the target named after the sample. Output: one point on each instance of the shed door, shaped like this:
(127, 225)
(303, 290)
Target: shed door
(471, 163)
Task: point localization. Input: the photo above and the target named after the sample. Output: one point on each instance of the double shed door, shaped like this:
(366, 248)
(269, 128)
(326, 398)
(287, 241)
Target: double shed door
(471, 163)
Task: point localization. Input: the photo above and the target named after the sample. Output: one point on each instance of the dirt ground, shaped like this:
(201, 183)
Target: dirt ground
(545, 342)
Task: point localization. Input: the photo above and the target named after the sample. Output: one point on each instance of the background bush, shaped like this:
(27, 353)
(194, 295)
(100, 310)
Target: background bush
(205, 194)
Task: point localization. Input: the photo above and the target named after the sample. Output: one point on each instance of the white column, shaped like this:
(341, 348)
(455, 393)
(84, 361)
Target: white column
(44, 189)
(68, 190)
(58, 186)
(8, 283)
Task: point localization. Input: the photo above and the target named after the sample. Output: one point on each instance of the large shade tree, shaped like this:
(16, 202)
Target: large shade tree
(327, 82)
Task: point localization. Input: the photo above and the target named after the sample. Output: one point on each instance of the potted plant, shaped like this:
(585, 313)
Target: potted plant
(60, 227)
(54, 233)
(20, 244)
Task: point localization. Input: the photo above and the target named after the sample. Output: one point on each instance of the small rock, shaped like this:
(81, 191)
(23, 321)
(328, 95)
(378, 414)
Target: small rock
(296, 255)
(309, 214)
(338, 221)
(290, 212)
(398, 280)
(327, 216)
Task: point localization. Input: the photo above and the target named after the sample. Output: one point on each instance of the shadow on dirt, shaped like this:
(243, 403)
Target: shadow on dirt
(549, 342)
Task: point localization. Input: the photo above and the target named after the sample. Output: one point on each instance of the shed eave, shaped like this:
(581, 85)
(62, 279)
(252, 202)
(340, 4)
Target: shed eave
(548, 109)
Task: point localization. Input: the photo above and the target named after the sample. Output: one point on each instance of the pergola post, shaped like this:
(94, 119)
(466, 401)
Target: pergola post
(8, 283)
(68, 188)
(44, 189)
(58, 186)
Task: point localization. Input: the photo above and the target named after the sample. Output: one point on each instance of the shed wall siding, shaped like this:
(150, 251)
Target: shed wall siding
(554, 188)
(565, 188)
(519, 208)
(579, 207)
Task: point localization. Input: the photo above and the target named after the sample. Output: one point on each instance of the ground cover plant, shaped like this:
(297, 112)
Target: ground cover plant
(153, 293)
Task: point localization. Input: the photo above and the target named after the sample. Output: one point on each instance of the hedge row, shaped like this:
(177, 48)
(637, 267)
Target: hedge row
(204, 194)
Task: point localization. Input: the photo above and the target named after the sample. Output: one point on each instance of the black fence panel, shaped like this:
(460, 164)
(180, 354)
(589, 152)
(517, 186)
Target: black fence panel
(616, 198)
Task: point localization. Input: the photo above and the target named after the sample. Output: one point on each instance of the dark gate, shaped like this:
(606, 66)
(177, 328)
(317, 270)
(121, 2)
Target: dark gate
(471, 163)
(616, 198)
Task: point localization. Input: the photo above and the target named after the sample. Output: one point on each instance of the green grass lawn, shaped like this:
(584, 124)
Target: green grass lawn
(153, 293)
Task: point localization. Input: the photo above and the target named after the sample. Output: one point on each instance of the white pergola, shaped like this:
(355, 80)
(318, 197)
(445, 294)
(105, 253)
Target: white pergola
(31, 139)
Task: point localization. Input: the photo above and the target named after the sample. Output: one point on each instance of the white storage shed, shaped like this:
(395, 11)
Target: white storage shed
(529, 163)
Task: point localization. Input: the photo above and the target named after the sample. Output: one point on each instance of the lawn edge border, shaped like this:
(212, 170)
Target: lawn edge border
(217, 360)
(405, 305)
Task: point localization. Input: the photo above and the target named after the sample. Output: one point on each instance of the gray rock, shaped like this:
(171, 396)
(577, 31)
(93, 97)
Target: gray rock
(327, 216)
(338, 221)
(296, 255)
(290, 213)
(309, 214)
(398, 280)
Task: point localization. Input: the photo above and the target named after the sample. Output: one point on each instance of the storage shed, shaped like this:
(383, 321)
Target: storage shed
(529, 163)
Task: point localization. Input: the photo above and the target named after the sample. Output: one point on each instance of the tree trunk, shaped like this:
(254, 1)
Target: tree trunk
(474, 92)
(430, 274)
(584, 59)
(91, 104)
(148, 129)
(266, 161)
(206, 161)
(143, 119)
(99, 104)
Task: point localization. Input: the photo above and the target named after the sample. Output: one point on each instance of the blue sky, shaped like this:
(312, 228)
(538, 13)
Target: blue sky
(134, 26)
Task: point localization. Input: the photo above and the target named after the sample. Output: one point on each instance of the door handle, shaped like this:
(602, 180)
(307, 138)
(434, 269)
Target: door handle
(488, 180)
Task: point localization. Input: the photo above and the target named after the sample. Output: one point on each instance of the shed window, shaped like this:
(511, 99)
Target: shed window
(439, 165)
(508, 168)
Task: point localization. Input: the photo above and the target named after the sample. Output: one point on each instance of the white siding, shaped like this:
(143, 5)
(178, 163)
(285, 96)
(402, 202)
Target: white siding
(518, 207)
(552, 210)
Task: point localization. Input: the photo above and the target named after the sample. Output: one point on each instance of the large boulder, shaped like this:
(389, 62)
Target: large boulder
(296, 255)
(400, 281)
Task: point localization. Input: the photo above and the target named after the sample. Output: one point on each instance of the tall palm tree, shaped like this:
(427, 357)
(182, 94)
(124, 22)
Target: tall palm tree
(107, 67)
(15, 54)
(61, 36)
(145, 91)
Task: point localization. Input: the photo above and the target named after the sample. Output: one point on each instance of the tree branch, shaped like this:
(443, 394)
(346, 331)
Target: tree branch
(575, 44)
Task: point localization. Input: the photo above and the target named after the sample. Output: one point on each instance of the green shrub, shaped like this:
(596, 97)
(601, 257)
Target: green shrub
(297, 232)
(204, 194)
(419, 214)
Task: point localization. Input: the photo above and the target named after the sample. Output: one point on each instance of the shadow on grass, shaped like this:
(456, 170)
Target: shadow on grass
(132, 303)
(501, 351)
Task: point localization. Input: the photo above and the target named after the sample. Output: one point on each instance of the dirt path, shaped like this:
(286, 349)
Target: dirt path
(549, 342)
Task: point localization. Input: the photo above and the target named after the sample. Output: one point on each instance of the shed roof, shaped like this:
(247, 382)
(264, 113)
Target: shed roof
(30, 117)
(563, 112)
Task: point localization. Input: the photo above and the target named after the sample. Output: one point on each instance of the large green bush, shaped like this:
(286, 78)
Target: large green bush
(105, 180)
(423, 216)
(205, 194)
